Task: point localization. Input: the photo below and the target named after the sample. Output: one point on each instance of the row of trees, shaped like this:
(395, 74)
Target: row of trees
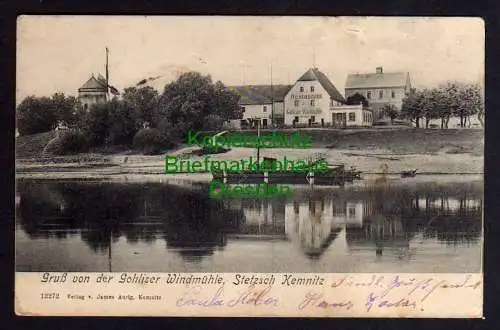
(42, 114)
(443, 102)
(142, 115)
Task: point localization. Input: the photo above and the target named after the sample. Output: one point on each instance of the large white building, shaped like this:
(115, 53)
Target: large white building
(314, 101)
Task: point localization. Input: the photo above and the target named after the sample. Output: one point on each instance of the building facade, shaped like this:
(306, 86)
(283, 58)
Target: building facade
(261, 103)
(93, 92)
(314, 101)
(380, 89)
(351, 116)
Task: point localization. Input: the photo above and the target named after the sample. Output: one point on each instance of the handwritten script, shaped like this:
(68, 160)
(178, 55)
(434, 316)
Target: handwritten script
(252, 295)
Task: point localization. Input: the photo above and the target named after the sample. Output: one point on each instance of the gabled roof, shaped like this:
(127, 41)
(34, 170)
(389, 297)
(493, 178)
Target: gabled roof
(377, 80)
(314, 74)
(260, 94)
(94, 85)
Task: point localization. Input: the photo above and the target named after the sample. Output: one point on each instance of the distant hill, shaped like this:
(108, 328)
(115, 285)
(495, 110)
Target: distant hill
(31, 146)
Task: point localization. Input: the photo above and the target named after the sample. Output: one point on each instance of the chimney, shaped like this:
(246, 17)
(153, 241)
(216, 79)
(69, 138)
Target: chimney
(379, 69)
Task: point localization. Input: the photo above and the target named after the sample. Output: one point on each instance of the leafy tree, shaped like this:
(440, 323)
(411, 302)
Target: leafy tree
(429, 101)
(443, 106)
(36, 115)
(356, 99)
(143, 100)
(480, 106)
(187, 103)
(96, 124)
(411, 108)
(390, 111)
(122, 124)
(65, 108)
(470, 103)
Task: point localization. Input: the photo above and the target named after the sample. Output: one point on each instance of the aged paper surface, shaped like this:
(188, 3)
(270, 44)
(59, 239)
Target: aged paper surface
(249, 166)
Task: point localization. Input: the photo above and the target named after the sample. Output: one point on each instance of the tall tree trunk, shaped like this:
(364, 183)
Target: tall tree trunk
(427, 120)
(442, 122)
(447, 121)
(417, 122)
(480, 118)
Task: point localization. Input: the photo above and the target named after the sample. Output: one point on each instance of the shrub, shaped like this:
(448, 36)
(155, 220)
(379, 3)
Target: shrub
(150, 141)
(67, 143)
(35, 115)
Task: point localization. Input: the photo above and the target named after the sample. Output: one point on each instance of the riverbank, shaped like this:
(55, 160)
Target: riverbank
(369, 162)
(370, 150)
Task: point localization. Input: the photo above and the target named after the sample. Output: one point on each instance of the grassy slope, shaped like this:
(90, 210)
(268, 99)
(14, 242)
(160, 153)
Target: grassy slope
(33, 145)
(401, 140)
(396, 140)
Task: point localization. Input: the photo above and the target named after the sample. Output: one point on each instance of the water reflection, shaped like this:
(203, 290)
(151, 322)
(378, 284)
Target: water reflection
(386, 221)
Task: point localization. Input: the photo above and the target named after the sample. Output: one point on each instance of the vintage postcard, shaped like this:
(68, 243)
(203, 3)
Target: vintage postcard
(249, 166)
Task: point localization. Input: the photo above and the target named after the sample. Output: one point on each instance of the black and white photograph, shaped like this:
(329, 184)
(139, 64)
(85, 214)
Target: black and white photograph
(235, 144)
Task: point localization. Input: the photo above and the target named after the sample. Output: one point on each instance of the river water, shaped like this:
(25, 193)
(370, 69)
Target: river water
(391, 225)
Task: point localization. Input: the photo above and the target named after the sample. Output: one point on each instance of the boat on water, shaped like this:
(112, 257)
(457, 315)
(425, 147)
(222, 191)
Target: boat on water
(333, 175)
(409, 173)
(315, 171)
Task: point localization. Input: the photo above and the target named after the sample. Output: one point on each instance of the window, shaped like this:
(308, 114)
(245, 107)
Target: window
(312, 103)
(264, 109)
(296, 119)
(393, 94)
(352, 116)
(352, 211)
(312, 88)
(301, 89)
(380, 94)
(243, 108)
(368, 95)
(312, 119)
(296, 103)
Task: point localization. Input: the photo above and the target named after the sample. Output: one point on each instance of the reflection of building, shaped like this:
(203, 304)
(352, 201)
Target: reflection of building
(264, 219)
(380, 233)
(311, 226)
(350, 213)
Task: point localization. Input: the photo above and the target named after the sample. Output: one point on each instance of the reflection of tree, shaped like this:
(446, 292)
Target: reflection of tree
(102, 212)
(451, 214)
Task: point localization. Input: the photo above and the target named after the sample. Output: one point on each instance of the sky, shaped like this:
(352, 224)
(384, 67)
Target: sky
(59, 53)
